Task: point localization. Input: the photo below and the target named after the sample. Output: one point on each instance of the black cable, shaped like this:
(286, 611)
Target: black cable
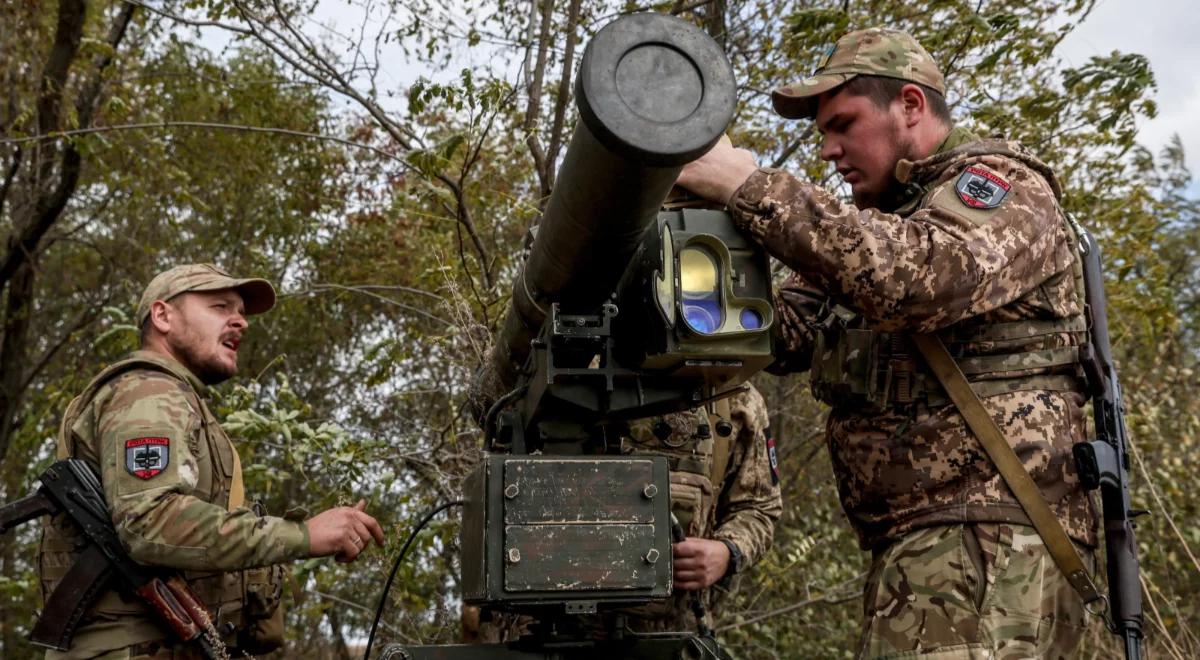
(396, 567)
(489, 419)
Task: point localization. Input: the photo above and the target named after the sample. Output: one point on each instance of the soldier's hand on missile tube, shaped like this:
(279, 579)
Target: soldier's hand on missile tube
(343, 532)
(699, 563)
(718, 174)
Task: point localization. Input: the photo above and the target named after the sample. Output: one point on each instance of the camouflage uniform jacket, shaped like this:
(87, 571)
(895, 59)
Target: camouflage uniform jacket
(949, 263)
(167, 469)
(741, 509)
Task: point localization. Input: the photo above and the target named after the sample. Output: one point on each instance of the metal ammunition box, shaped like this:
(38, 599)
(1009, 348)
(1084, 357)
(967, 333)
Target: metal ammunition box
(580, 531)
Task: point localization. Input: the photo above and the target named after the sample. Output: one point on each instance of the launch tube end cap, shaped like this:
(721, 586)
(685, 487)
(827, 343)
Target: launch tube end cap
(655, 89)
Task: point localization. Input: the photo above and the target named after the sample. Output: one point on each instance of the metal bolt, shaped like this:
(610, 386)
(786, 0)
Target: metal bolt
(724, 428)
(511, 491)
(650, 491)
(651, 555)
(514, 556)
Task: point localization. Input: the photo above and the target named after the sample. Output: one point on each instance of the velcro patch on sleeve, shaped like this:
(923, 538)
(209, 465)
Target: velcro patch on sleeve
(146, 458)
(772, 457)
(980, 189)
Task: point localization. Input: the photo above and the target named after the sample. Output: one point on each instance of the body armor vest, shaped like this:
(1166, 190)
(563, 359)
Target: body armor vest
(225, 594)
(873, 371)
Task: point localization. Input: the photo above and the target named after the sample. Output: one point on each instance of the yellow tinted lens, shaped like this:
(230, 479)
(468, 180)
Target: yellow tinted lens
(697, 272)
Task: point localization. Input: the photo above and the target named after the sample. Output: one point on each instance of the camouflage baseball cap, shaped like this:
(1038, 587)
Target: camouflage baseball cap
(257, 294)
(872, 52)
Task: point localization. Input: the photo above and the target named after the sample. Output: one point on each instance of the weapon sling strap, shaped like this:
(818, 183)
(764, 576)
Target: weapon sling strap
(722, 445)
(1048, 527)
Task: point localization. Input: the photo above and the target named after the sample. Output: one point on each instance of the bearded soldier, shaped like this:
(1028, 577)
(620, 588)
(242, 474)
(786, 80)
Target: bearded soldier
(952, 241)
(173, 481)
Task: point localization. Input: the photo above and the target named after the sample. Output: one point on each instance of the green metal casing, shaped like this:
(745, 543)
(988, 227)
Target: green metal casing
(580, 531)
(647, 340)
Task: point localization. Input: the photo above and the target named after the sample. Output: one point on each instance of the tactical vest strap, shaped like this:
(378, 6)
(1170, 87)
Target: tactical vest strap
(1009, 465)
(219, 591)
(990, 364)
(65, 447)
(722, 445)
(1014, 330)
(237, 489)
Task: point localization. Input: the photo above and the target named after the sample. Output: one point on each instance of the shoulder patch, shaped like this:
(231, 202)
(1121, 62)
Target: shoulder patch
(980, 189)
(146, 458)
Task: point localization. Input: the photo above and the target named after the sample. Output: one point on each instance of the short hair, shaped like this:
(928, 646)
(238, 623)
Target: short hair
(144, 328)
(882, 90)
(144, 332)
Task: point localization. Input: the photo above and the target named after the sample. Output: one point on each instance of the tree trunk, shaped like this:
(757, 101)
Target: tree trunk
(14, 349)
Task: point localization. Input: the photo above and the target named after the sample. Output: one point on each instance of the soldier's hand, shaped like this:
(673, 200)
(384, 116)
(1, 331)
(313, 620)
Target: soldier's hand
(718, 174)
(343, 532)
(699, 563)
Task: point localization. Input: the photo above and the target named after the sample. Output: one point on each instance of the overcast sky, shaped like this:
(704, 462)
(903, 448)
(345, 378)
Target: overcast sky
(1168, 33)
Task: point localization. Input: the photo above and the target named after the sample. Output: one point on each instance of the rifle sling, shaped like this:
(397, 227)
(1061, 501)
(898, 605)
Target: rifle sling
(75, 594)
(722, 446)
(1048, 527)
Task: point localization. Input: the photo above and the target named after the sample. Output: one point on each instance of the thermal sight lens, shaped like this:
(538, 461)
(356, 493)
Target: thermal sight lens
(751, 320)
(703, 316)
(698, 283)
(697, 272)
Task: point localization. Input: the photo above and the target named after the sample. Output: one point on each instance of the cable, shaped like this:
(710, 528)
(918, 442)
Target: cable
(396, 567)
(489, 420)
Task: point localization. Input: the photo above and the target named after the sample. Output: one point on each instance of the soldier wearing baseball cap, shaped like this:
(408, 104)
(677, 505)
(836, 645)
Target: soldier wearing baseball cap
(963, 240)
(173, 482)
(257, 294)
(872, 52)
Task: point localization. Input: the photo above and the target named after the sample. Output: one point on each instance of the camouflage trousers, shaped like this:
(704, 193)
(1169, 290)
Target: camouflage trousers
(970, 591)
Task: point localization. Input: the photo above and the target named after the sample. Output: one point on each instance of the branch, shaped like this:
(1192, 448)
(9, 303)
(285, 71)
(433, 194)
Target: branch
(89, 314)
(24, 239)
(9, 176)
(830, 598)
(306, 58)
(792, 147)
(533, 109)
(189, 21)
(367, 292)
(357, 606)
(85, 105)
(210, 125)
(564, 93)
(18, 308)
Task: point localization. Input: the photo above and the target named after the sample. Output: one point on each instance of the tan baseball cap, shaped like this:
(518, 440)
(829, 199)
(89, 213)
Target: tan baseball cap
(871, 52)
(257, 294)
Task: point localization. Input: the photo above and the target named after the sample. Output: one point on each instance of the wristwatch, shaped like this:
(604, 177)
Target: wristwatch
(737, 561)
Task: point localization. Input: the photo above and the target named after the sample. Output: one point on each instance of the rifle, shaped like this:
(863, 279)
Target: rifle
(1104, 462)
(70, 487)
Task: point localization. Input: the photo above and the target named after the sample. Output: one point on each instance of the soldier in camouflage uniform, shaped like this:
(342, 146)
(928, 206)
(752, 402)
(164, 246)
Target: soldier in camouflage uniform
(173, 481)
(953, 235)
(724, 491)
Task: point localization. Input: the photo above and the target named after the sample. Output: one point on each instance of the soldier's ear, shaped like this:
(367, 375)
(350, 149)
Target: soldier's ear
(913, 104)
(161, 315)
